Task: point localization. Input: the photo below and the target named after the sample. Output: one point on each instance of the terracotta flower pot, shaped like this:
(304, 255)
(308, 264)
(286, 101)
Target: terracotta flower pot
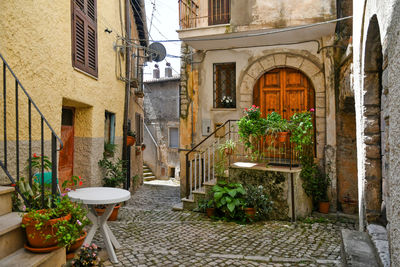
(228, 151)
(282, 136)
(143, 147)
(250, 212)
(130, 140)
(324, 207)
(210, 212)
(78, 243)
(114, 214)
(37, 238)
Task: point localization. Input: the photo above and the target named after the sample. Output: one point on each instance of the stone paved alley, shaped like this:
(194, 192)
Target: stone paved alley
(151, 234)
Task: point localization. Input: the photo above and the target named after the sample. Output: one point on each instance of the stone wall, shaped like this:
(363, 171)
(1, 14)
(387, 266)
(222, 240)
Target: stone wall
(277, 184)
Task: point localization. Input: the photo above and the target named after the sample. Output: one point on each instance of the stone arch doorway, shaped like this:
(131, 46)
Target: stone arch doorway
(285, 91)
(373, 126)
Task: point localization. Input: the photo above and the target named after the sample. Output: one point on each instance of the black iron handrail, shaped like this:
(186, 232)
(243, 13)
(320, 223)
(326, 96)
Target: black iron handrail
(43, 121)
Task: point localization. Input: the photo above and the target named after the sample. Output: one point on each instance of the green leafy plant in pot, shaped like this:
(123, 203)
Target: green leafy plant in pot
(229, 199)
(114, 175)
(131, 138)
(257, 203)
(277, 127)
(228, 147)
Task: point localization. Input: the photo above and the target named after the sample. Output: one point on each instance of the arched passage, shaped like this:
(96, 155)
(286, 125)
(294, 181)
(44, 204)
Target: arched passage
(373, 130)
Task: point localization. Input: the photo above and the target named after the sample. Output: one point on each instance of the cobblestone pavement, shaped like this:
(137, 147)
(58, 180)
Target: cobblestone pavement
(151, 234)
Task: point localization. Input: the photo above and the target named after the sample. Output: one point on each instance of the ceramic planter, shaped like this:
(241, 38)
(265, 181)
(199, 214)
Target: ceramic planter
(250, 212)
(114, 214)
(282, 136)
(324, 207)
(210, 212)
(228, 151)
(130, 140)
(37, 238)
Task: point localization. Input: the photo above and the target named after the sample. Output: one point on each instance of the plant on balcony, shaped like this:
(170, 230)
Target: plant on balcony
(302, 131)
(277, 126)
(251, 128)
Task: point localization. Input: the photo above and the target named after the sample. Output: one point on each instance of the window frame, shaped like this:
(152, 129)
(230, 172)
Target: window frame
(111, 130)
(169, 136)
(217, 95)
(88, 23)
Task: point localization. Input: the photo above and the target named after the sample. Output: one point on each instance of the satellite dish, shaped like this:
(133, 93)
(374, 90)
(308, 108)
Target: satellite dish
(157, 52)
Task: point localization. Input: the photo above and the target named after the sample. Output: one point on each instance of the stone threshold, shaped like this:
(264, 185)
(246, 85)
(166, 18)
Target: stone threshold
(264, 167)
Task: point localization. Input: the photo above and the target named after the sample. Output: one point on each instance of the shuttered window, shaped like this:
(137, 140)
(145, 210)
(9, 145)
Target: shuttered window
(139, 128)
(84, 36)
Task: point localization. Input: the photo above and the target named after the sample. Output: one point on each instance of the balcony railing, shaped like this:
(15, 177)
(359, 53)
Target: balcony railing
(188, 14)
(206, 161)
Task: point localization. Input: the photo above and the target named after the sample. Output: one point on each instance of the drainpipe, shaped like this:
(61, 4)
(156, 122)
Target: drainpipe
(127, 89)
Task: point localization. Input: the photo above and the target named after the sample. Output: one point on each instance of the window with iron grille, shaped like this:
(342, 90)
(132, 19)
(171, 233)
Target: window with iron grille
(84, 35)
(225, 85)
(219, 12)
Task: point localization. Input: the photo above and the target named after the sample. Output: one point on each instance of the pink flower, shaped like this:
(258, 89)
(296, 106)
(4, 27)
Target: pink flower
(68, 189)
(79, 177)
(63, 194)
(94, 246)
(257, 107)
(23, 208)
(86, 245)
(312, 110)
(253, 106)
(78, 222)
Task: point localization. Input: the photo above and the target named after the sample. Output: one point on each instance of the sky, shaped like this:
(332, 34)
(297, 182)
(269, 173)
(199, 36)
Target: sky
(162, 23)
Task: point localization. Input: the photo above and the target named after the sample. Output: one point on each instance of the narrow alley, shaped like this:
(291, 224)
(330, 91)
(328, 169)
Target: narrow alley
(151, 234)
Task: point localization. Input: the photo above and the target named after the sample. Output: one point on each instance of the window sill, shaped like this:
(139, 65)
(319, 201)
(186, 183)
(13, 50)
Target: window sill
(223, 109)
(85, 73)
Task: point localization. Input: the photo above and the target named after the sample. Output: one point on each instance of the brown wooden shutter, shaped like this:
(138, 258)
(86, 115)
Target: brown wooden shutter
(84, 36)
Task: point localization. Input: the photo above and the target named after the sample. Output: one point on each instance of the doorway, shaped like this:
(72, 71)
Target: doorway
(66, 163)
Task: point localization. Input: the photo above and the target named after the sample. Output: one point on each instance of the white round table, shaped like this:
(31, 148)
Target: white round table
(92, 196)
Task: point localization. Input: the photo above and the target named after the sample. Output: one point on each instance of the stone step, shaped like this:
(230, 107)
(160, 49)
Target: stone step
(178, 207)
(148, 174)
(199, 194)
(24, 258)
(379, 238)
(357, 249)
(189, 204)
(11, 236)
(5, 199)
(150, 178)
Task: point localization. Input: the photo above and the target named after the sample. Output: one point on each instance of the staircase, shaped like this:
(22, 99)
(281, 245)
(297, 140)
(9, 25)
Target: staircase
(12, 239)
(16, 150)
(148, 174)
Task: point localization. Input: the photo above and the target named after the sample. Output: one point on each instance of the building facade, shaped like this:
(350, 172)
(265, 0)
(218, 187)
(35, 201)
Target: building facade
(71, 58)
(279, 55)
(161, 117)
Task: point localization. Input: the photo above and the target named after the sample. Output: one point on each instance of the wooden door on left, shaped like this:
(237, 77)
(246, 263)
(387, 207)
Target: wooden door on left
(66, 162)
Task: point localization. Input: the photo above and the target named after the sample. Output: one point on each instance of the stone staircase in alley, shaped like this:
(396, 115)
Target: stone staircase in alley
(148, 174)
(12, 239)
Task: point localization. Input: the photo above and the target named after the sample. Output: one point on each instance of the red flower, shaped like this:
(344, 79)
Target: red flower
(253, 106)
(13, 185)
(257, 107)
(34, 155)
(80, 183)
(79, 177)
(312, 110)
(245, 109)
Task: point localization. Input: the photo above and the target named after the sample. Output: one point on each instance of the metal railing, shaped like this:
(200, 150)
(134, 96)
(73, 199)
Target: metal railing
(188, 13)
(14, 114)
(205, 161)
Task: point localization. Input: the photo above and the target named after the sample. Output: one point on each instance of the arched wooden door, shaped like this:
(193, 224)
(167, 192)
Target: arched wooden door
(285, 91)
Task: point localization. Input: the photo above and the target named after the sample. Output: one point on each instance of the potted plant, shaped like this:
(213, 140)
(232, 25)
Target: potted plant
(114, 176)
(349, 206)
(87, 256)
(229, 199)
(207, 206)
(228, 147)
(109, 150)
(257, 203)
(227, 102)
(131, 138)
(277, 126)
(143, 147)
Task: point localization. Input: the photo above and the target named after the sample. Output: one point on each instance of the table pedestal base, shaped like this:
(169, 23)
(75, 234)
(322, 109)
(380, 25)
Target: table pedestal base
(101, 222)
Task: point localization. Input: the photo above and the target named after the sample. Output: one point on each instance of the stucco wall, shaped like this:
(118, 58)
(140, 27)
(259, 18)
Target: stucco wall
(36, 41)
(387, 13)
(256, 14)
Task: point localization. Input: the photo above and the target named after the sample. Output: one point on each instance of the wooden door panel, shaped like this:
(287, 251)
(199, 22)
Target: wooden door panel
(271, 102)
(272, 80)
(295, 102)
